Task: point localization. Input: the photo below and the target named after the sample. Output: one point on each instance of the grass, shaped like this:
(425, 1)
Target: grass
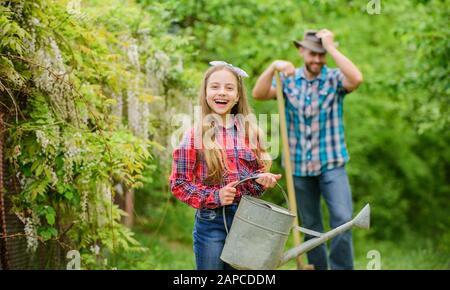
(162, 254)
(166, 254)
(412, 253)
(169, 246)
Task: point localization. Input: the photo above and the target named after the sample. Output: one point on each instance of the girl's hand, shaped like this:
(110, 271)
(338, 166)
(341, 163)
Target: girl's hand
(227, 193)
(268, 180)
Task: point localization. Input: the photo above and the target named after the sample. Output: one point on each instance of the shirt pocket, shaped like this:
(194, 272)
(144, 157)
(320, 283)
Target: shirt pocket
(248, 162)
(327, 99)
(292, 98)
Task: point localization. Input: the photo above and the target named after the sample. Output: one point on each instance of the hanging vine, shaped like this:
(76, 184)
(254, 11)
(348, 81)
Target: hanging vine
(78, 89)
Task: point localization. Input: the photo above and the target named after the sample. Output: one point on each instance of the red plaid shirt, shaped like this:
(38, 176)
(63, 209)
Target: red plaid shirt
(189, 170)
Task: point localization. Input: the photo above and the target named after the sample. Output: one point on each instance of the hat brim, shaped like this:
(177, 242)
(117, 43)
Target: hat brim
(299, 44)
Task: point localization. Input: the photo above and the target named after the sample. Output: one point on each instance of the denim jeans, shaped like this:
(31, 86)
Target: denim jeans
(333, 185)
(209, 237)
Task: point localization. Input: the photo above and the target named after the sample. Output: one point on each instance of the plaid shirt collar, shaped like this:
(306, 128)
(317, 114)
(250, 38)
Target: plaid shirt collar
(236, 124)
(300, 74)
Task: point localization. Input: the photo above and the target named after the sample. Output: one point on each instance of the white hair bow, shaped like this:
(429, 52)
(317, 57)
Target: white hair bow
(240, 72)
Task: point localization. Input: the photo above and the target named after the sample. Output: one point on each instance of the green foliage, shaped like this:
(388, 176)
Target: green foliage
(65, 74)
(89, 97)
(426, 38)
(396, 122)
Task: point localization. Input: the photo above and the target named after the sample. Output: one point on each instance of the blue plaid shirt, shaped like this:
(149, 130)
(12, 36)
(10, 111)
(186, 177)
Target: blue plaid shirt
(314, 119)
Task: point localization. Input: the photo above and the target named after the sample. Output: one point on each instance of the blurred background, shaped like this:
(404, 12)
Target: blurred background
(128, 67)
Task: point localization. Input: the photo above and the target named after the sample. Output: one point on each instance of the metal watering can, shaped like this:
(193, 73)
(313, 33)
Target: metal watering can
(260, 229)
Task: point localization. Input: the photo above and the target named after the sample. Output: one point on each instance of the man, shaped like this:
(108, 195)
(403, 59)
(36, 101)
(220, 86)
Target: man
(314, 97)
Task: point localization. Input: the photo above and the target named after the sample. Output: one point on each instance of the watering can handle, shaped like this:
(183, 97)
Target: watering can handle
(244, 180)
(256, 176)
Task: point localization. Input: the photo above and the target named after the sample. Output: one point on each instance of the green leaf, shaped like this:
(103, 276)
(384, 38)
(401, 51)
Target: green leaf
(59, 161)
(48, 174)
(35, 165)
(45, 235)
(50, 218)
(26, 171)
(68, 194)
(39, 170)
(60, 188)
(53, 232)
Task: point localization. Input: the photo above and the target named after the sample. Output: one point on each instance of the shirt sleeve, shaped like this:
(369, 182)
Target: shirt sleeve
(274, 83)
(182, 182)
(339, 77)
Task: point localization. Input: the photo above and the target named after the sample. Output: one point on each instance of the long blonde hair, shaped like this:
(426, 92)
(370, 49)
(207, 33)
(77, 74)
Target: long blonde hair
(215, 155)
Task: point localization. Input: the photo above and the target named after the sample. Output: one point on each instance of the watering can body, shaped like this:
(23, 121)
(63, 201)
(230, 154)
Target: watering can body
(260, 230)
(258, 235)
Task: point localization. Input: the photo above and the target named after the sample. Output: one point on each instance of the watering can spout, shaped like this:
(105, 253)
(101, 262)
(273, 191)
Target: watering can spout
(362, 220)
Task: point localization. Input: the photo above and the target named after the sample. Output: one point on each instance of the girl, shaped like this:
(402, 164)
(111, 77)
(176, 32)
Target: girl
(213, 156)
